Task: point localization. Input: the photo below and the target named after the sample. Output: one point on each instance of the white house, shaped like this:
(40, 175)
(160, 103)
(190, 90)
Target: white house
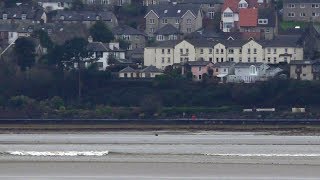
(52, 5)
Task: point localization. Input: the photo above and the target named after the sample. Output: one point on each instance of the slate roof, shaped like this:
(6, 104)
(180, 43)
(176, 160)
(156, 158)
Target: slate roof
(201, 1)
(168, 29)
(301, 1)
(84, 15)
(173, 10)
(199, 63)
(304, 62)
(97, 47)
(232, 4)
(165, 44)
(127, 70)
(224, 64)
(247, 64)
(267, 13)
(126, 30)
(151, 69)
(33, 13)
(248, 17)
(281, 41)
(201, 42)
(65, 1)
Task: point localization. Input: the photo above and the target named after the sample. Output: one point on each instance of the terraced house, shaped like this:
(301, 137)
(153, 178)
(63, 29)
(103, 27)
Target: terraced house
(186, 18)
(282, 49)
(301, 10)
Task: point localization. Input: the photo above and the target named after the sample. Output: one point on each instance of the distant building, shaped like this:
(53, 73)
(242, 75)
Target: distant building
(52, 5)
(86, 17)
(148, 72)
(134, 37)
(301, 10)
(305, 70)
(23, 14)
(107, 2)
(199, 69)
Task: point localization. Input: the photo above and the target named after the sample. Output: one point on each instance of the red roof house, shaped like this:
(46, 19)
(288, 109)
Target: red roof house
(232, 4)
(248, 17)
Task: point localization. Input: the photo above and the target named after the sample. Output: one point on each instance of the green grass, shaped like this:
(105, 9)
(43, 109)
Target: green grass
(291, 24)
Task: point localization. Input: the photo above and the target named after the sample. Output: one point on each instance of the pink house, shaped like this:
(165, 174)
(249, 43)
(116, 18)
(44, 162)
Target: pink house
(199, 68)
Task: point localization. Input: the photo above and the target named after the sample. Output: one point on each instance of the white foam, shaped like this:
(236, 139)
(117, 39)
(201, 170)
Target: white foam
(266, 155)
(58, 153)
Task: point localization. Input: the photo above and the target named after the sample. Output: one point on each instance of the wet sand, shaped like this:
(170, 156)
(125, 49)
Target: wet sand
(162, 155)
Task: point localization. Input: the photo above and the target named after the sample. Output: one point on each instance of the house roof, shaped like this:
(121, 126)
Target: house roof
(176, 11)
(199, 63)
(301, 1)
(224, 64)
(126, 30)
(65, 1)
(127, 70)
(248, 17)
(201, 42)
(33, 13)
(232, 4)
(201, 1)
(281, 41)
(97, 47)
(247, 64)
(152, 69)
(267, 13)
(84, 15)
(304, 62)
(167, 30)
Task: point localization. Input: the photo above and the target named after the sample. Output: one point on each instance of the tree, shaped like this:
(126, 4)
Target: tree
(75, 56)
(44, 38)
(25, 53)
(100, 32)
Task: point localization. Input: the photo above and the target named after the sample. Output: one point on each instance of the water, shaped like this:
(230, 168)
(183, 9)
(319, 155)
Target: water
(169, 155)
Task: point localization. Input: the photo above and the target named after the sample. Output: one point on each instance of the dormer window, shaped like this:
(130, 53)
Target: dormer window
(188, 21)
(23, 16)
(243, 4)
(228, 14)
(5, 16)
(165, 11)
(62, 17)
(164, 21)
(263, 21)
(97, 18)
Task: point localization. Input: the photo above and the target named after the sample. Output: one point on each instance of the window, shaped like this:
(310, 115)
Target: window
(59, 4)
(199, 68)
(211, 14)
(294, 51)
(227, 14)
(217, 70)
(126, 37)
(302, 6)
(240, 51)
(254, 59)
(169, 60)
(315, 5)
(263, 21)
(162, 60)
(240, 59)
(23, 16)
(5, 16)
(210, 51)
(151, 30)
(221, 51)
(217, 51)
(151, 21)
(253, 70)
(254, 51)
(210, 59)
(181, 59)
(302, 14)
(286, 50)
(267, 30)
(181, 51)
(275, 60)
(162, 51)
(188, 30)
(221, 59)
(99, 54)
(227, 25)
(201, 51)
(188, 21)
(274, 51)
(231, 51)
(231, 59)
(291, 5)
(269, 59)
(315, 14)
(249, 51)
(269, 51)
(160, 37)
(291, 14)
(285, 59)
(177, 21)
(249, 59)
(304, 75)
(243, 5)
(200, 77)
(168, 51)
(217, 59)
(164, 21)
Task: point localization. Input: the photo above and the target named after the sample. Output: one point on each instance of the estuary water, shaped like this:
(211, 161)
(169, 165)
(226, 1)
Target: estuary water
(159, 155)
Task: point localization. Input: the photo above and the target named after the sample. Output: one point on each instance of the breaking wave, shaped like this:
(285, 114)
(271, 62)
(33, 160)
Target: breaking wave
(266, 155)
(57, 153)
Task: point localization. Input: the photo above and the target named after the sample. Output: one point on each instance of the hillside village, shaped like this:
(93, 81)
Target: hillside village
(228, 40)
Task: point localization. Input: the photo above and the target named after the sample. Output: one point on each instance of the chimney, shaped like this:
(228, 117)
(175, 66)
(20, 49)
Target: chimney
(90, 39)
